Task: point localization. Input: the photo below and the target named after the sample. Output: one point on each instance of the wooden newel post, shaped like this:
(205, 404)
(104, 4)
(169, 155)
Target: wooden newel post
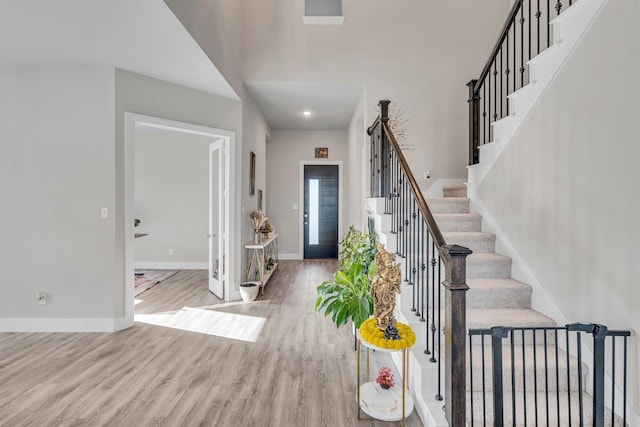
(384, 110)
(455, 333)
(474, 124)
(384, 151)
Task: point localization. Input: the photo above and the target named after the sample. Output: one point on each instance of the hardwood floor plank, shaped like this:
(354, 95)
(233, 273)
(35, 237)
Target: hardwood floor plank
(300, 371)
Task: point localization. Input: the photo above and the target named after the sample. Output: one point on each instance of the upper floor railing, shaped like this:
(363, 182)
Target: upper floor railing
(427, 257)
(526, 32)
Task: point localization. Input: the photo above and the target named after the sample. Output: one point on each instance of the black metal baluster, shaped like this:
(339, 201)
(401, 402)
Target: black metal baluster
(471, 375)
(501, 80)
(515, 67)
(530, 34)
(434, 307)
(484, 386)
(439, 395)
(568, 375)
(513, 378)
(429, 307)
(495, 89)
(400, 219)
(412, 242)
(580, 389)
(522, 20)
(613, 377)
(548, 23)
(624, 380)
(558, 7)
(546, 374)
(524, 379)
(506, 77)
(484, 111)
(538, 15)
(423, 265)
(557, 375)
(535, 377)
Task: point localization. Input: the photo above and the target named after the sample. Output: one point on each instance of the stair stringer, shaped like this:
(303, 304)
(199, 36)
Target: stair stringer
(568, 28)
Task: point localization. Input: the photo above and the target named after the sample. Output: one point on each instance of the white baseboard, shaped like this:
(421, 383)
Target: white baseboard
(61, 325)
(290, 256)
(172, 265)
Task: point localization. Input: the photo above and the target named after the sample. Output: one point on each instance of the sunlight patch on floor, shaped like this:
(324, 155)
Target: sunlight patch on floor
(221, 324)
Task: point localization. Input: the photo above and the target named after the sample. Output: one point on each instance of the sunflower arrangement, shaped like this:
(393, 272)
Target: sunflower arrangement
(370, 333)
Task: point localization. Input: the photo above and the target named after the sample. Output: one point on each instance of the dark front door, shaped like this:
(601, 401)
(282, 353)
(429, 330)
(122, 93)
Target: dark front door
(321, 211)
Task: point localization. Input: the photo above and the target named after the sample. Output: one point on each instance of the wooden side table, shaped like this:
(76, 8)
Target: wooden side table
(257, 256)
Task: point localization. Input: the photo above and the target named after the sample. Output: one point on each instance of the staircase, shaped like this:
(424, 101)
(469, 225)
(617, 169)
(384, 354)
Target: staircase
(545, 392)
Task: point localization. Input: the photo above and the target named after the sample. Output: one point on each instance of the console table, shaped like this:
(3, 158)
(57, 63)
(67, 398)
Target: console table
(258, 256)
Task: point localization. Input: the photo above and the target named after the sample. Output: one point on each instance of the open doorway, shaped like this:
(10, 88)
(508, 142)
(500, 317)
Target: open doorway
(177, 187)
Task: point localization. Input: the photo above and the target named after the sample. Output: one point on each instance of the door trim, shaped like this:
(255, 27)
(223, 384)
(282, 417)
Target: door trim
(229, 138)
(303, 163)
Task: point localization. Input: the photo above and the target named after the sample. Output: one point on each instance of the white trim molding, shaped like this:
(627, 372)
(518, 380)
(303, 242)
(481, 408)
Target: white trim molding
(172, 265)
(290, 256)
(232, 247)
(62, 325)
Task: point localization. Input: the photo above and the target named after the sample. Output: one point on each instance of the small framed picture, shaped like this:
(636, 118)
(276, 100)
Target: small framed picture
(322, 152)
(259, 200)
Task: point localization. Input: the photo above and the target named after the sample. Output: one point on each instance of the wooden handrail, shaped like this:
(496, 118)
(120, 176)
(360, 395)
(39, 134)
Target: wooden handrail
(503, 35)
(422, 204)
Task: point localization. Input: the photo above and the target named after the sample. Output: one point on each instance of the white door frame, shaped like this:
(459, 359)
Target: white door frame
(221, 226)
(301, 205)
(229, 140)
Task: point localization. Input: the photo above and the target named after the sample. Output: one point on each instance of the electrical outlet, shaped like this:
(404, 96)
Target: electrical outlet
(41, 297)
(170, 251)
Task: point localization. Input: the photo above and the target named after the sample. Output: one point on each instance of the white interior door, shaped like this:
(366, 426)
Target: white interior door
(217, 219)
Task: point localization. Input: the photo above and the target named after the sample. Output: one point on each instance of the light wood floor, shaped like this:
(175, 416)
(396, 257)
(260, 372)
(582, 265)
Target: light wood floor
(299, 372)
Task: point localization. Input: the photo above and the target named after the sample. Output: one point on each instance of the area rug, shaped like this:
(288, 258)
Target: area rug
(150, 278)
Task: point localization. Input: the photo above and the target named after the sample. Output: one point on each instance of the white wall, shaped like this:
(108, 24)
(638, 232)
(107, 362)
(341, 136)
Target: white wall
(57, 169)
(565, 191)
(417, 53)
(256, 132)
(357, 161)
(284, 153)
(217, 27)
(172, 197)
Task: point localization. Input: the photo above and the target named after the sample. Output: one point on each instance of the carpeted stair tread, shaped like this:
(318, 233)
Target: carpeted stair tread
(488, 317)
(477, 241)
(440, 205)
(455, 191)
(458, 222)
(498, 293)
(484, 265)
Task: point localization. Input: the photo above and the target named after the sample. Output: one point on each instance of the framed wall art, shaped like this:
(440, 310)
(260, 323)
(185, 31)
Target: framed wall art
(322, 152)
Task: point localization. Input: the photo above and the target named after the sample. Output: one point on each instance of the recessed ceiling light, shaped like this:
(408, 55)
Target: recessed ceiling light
(306, 113)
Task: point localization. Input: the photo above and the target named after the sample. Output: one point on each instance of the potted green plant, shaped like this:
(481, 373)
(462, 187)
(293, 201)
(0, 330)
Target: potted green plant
(348, 296)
